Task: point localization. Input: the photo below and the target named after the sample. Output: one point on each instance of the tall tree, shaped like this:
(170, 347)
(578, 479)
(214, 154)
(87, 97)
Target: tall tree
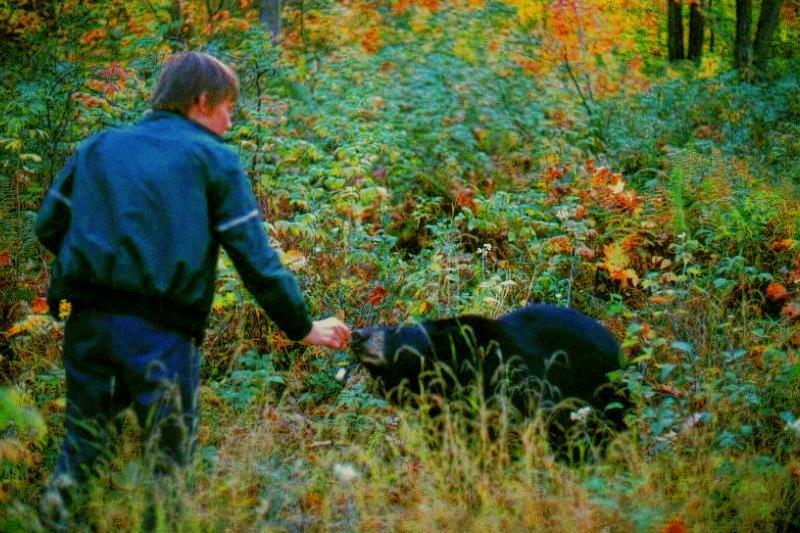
(270, 16)
(767, 22)
(675, 29)
(696, 30)
(742, 52)
(751, 58)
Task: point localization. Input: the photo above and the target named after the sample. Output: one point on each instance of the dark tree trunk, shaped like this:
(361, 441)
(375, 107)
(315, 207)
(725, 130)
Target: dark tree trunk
(696, 29)
(742, 52)
(711, 33)
(675, 29)
(270, 16)
(767, 22)
(175, 32)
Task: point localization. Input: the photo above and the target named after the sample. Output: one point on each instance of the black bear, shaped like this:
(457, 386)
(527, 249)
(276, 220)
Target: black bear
(548, 353)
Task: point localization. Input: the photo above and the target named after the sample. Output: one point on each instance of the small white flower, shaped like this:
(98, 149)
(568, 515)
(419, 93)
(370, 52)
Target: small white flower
(581, 414)
(345, 473)
(563, 213)
(484, 250)
(340, 374)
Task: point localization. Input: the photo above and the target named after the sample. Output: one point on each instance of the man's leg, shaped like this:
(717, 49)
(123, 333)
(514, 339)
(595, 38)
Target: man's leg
(162, 369)
(94, 394)
(94, 398)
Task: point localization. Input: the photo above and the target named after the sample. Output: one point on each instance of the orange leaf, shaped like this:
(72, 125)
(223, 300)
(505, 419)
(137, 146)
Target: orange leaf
(39, 305)
(93, 36)
(465, 197)
(776, 292)
(370, 41)
(561, 244)
(782, 244)
(630, 242)
(675, 525)
(669, 390)
(5, 259)
(661, 299)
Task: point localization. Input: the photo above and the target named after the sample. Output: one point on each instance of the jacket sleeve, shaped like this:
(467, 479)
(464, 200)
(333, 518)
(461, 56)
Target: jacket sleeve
(237, 223)
(55, 213)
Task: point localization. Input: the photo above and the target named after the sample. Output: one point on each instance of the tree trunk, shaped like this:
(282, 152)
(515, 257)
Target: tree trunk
(696, 29)
(175, 32)
(675, 29)
(270, 16)
(711, 30)
(742, 53)
(767, 22)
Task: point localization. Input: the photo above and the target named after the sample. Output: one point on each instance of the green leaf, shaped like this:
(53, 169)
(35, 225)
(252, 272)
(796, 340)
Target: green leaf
(682, 346)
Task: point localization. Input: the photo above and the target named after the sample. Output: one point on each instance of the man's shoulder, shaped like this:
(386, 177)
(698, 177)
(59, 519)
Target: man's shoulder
(182, 130)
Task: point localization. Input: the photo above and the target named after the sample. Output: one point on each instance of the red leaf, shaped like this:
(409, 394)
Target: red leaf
(376, 295)
(39, 305)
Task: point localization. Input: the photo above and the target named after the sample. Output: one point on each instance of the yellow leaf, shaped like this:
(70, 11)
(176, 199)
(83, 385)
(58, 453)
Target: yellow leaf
(617, 186)
(615, 256)
(423, 307)
(617, 263)
(294, 259)
(36, 158)
(29, 324)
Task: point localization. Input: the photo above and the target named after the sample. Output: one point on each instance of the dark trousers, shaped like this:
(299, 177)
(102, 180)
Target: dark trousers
(113, 362)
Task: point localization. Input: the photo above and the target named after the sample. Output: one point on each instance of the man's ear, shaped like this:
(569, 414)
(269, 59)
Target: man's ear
(203, 103)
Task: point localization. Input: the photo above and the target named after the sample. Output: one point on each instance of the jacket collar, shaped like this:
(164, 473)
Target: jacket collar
(158, 114)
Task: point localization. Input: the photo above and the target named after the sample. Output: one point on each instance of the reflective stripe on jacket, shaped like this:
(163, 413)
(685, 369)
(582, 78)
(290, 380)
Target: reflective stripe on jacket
(136, 219)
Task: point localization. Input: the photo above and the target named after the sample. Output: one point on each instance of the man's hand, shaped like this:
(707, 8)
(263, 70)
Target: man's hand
(330, 332)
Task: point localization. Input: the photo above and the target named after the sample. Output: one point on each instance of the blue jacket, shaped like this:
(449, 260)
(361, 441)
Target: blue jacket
(136, 218)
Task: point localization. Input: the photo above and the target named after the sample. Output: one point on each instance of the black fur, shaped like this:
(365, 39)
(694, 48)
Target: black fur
(549, 354)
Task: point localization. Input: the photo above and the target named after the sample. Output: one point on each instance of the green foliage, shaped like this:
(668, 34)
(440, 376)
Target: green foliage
(435, 175)
(252, 378)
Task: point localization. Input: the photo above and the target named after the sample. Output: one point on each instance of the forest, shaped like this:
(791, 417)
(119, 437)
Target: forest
(637, 161)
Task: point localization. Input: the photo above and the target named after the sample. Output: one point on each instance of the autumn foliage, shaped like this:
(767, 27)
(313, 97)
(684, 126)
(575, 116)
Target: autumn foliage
(425, 158)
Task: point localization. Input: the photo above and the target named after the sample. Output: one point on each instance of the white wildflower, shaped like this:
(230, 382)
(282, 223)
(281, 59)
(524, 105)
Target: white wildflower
(484, 250)
(563, 213)
(794, 426)
(581, 414)
(345, 473)
(340, 374)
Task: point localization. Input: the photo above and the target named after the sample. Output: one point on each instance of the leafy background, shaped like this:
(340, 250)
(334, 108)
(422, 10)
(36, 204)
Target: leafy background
(419, 159)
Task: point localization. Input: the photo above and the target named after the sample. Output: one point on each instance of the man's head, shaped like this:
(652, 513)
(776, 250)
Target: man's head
(199, 86)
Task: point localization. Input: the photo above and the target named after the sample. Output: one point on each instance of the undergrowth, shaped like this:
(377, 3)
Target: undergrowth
(399, 189)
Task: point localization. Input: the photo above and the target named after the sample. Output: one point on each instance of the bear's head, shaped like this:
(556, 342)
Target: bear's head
(404, 352)
(392, 352)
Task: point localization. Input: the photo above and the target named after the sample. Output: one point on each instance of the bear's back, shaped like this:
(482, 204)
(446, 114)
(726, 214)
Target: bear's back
(568, 349)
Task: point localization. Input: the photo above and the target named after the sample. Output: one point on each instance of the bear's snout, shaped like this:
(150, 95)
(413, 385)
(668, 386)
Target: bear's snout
(367, 344)
(358, 337)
